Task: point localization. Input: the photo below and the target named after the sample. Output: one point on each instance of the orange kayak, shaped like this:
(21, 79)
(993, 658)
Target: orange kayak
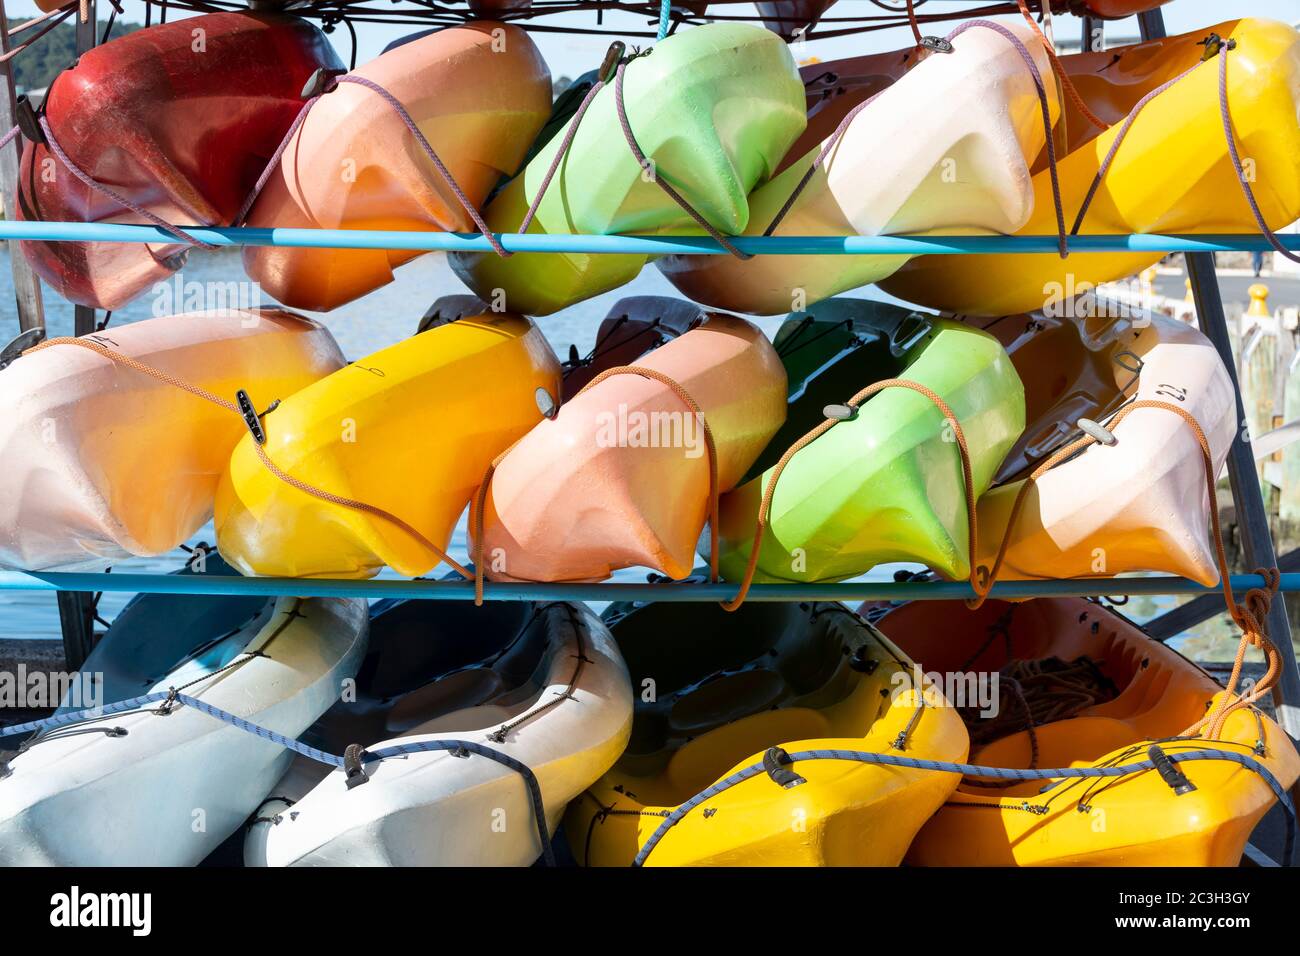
(620, 477)
(1131, 692)
(634, 326)
(353, 164)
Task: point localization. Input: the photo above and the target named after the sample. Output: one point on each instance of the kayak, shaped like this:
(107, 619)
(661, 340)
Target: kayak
(409, 430)
(141, 789)
(773, 679)
(620, 476)
(886, 485)
(103, 462)
(542, 684)
(479, 93)
(833, 87)
(1104, 692)
(1071, 368)
(1140, 504)
(634, 326)
(1143, 192)
(713, 108)
(139, 116)
(961, 128)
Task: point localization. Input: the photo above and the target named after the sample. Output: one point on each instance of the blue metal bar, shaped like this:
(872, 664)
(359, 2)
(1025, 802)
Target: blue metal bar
(636, 245)
(684, 592)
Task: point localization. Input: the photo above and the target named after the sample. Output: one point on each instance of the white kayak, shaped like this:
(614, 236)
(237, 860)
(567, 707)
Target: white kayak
(542, 684)
(144, 789)
(1139, 504)
(947, 148)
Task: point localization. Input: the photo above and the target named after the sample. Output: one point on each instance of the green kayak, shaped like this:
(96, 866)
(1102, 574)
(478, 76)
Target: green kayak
(886, 485)
(715, 108)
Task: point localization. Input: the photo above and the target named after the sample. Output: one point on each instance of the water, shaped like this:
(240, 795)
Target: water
(376, 321)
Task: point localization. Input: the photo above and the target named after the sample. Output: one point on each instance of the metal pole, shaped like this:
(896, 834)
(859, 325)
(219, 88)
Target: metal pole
(1151, 25)
(1252, 518)
(27, 288)
(76, 608)
(1086, 38)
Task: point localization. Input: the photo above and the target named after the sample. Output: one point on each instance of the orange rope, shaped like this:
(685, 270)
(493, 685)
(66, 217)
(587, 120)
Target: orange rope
(272, 467)
(1059, 69)
(480, 498)
(769, 491)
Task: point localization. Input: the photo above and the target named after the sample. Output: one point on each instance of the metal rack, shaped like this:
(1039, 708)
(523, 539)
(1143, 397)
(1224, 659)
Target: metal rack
(72, 590)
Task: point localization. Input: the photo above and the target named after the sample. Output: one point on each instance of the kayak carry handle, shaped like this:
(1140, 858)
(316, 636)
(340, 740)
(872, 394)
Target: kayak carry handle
(352, 766)
(1169, 771)
(777, 764)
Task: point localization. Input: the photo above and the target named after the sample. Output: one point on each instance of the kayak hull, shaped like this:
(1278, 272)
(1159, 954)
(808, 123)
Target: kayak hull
(438, 809)
(620, 478)
(714, 109)
(1139, 821)
(103, 462)
(172, 788)
(465, 389)
(1140, 504)
(963, 129)
(798, 677)
(886, 485)
(1135, 196)
(139, 115)
(479, 93)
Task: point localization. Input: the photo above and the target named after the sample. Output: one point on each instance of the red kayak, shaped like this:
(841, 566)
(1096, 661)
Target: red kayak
(178, 121)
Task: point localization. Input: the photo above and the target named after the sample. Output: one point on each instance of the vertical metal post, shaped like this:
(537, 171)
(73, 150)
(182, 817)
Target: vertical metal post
(1151, 25)
(1085, 35)
(1252, 518)
(76, 609)
(27, 288)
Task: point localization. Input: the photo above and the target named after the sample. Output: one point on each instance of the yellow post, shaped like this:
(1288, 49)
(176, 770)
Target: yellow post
(1258, 300)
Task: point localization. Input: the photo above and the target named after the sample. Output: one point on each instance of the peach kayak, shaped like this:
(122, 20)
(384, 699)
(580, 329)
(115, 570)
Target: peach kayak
(479, 93)
(103, 461)
(620, 477)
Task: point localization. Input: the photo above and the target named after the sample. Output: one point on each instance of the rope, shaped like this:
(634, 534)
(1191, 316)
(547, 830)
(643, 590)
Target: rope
(665, 8)
(974, 770)
(459, 747)
(113, 194)
(648, 168)
(479, 505)
(1115, 144)
(1226, 117)
(769, 491)
(262, 455)
(1058, 68)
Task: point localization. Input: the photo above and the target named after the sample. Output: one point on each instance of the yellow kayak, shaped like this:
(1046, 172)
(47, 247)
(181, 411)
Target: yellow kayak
(1103, 693)
(410, 430)
(770, 681)
(1172, 173)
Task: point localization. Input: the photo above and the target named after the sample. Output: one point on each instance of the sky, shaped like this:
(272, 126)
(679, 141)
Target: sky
(572, 55)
